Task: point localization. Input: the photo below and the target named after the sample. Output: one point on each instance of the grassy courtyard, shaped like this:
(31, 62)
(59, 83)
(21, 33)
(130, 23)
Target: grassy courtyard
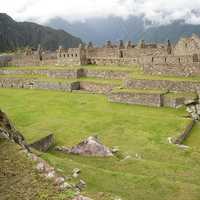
(147, 168)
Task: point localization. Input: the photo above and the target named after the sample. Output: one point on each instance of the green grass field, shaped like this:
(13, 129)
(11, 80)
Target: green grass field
(154, 170)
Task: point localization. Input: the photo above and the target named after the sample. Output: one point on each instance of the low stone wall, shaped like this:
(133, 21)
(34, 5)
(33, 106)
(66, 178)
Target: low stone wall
(185, 133)
(184, 86)
(106, 74)
(173, 102)
(96, 87)
(137, 98)
(70, 73)
(38, 84)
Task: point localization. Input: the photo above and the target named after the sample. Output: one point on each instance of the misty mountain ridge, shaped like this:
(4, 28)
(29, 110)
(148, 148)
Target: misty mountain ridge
(99, 30)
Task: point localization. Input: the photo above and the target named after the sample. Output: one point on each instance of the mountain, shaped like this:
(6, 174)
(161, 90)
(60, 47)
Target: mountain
(173, 32)
(99, 30)
(15, 35)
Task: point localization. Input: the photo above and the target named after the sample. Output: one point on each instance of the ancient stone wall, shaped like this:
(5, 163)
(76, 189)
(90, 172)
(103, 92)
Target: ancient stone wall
(187, 46)
(70, 73)
(172, 65)
(47, 59)
(96, 87)
(173, 102)
(37, 84)
(106, 74)
(137, 98)
(179, 86)
(109, 54)
(185, 133)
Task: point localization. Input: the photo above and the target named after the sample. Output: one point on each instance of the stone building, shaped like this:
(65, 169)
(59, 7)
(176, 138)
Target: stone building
(109, 54)
(182, 60)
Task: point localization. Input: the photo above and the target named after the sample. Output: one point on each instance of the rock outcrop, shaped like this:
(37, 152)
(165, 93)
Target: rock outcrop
(8, 131)
(43, 144)
(89, 147)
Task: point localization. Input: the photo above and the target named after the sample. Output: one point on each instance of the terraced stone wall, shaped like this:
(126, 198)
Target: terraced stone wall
(183, 86)
(96, 87)
(137, 98)
(173, 102)
(70, 73)
(38, 84)
(106, 74)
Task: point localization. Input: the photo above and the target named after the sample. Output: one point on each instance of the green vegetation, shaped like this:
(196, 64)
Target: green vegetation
(186, 95)
(153, 169)
(138, 73)
(19, 179)
(141, 91)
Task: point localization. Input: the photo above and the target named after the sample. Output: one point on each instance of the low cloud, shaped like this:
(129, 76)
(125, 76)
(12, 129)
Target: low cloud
(156, 11)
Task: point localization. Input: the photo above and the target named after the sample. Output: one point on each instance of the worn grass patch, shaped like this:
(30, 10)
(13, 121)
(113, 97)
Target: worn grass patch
(19, 179)
(151, 168)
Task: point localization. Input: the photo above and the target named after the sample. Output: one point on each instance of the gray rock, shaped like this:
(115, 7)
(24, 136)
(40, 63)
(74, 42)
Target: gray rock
(65, 185)
(91, 147)
(76, 172)
(43, 144)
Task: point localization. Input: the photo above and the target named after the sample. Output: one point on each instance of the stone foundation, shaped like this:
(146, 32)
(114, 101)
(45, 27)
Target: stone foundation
(137, 98)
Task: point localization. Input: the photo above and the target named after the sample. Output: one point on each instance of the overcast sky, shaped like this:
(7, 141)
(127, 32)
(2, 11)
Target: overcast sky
(160, 11)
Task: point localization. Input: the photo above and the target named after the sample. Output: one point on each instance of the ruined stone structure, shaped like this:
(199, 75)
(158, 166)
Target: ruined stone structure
(181, 59)
(110, 54)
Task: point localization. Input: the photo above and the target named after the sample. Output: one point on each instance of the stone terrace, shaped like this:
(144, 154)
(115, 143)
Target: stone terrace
(121, 84)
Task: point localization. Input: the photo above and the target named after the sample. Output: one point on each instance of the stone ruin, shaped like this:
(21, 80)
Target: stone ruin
(180, 59)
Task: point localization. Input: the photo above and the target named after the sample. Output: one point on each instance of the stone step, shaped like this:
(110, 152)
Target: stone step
(97, 86)
(139, 97)
(177, 99)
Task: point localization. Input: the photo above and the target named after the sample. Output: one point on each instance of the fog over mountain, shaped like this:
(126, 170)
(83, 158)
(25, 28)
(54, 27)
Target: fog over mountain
(101, 20)
(98, 30)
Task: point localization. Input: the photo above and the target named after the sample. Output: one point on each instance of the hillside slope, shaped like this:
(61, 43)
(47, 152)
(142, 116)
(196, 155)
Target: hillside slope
(19, 179)
(21, 34)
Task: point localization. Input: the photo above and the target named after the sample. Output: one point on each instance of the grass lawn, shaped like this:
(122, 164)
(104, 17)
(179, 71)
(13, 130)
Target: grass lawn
(155, 169)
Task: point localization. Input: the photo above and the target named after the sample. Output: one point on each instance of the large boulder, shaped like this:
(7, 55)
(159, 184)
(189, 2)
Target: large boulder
(43, 144)
(90, 147)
